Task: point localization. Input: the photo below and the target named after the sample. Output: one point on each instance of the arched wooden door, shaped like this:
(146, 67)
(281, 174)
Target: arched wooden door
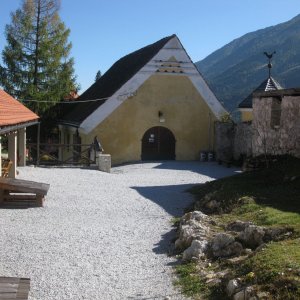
(158, 143)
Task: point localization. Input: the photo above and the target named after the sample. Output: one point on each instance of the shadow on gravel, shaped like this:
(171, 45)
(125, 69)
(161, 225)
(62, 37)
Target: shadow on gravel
(166, 244)
(211, 169)
(172, 198)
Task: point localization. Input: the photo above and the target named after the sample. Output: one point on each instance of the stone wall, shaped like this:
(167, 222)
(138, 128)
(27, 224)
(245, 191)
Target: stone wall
(242, 140)
(275, 129)
(233, 140)
(276, 125)
(224, 138)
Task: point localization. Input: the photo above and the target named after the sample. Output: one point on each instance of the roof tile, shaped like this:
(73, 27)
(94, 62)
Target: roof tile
(12, 112)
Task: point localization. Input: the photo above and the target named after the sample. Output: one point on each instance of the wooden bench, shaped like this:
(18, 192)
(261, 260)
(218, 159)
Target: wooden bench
(23, 190)
(14, 288)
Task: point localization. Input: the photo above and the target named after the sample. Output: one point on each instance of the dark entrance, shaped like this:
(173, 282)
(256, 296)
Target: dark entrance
(158, 143)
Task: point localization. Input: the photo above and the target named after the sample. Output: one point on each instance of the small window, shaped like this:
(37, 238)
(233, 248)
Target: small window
(275, 113)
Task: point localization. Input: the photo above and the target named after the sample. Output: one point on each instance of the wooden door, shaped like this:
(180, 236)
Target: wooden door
(158, 143)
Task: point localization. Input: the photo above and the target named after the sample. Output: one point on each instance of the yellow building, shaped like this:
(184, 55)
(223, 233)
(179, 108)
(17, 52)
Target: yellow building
(152, 104)
(245, 107)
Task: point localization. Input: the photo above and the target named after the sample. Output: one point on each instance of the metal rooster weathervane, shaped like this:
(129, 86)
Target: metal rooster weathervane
(269, 56)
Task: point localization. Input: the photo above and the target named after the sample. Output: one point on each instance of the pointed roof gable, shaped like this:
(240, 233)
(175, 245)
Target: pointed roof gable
(270, 84)
(121, 71)
(122, 80)
(12, 112)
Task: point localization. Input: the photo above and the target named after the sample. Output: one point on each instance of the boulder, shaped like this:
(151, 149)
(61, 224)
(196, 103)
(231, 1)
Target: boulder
(193, 225)
(277, 234)
(196, 250)
(186, 235)
(247, 293)
(233, 286)
(252, 236)
(224, 245)
(238, 226)
(194, 215)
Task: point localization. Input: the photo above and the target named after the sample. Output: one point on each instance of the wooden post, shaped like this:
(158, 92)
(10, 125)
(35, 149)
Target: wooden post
(61, 141)
(12, 153)
(1, 191)
(22, 146)
(38, 145)
(0, 152)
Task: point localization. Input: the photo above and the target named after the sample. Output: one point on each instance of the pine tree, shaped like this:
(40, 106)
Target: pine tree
(37, 64)
(98, 75)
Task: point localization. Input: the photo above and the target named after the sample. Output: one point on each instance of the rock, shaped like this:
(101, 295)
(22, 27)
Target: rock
(196, 250)
(241, 295)
(263, 295)
(232, 287)
(246, 294)
(213, 281)
(247, 251)
(193, 225)
(237, 260)
(186, 236)
(238, 226)
(194, 215)
(260, 247)
(252, 236)
(276, 234)
(210, 275)
(251, 293)
(224, 245)
(223, 274)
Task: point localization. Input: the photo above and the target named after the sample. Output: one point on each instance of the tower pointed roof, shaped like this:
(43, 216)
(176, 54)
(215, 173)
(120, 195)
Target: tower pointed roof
(270, 84)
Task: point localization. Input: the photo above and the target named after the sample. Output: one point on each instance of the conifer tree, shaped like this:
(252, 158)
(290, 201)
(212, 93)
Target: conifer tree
(98, 75)
(36, 58)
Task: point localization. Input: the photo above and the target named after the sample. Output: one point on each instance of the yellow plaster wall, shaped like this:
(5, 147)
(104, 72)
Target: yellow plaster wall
(185, 112)
(246, 116)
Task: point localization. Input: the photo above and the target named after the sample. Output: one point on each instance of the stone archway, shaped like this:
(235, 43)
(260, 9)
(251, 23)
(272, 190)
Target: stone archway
(158, 143)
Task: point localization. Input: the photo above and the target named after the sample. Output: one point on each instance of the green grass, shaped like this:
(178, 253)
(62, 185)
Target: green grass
(267, 197)
(276, 269)
(175, 221)
(189, 280)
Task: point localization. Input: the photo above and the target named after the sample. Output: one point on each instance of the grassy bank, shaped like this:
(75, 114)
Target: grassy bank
(269, 197)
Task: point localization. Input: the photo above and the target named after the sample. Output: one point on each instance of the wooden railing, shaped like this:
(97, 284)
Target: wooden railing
(61, 154)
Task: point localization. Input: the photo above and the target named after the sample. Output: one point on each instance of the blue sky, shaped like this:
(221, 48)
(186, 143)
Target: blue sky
(102, 31)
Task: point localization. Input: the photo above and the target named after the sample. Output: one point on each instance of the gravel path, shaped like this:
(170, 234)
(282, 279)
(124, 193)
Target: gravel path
(100, 236)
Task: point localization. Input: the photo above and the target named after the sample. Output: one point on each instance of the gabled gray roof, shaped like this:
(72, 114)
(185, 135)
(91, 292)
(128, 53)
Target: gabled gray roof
(270, 84)
(124, 69)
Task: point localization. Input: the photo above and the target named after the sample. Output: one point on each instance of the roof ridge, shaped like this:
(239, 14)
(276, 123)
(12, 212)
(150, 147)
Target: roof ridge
(113, 79)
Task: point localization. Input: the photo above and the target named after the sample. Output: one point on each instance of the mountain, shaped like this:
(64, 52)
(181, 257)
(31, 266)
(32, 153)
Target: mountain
(236, 69)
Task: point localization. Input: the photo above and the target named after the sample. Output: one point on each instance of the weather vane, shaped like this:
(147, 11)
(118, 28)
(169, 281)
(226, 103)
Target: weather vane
(269, 56)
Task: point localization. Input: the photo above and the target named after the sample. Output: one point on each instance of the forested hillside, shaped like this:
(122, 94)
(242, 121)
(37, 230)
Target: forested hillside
(236, 69)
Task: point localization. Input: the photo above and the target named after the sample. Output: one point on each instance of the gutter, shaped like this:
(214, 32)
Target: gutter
(9, 128)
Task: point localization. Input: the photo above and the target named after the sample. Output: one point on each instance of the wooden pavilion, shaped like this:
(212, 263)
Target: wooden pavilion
(14, 118)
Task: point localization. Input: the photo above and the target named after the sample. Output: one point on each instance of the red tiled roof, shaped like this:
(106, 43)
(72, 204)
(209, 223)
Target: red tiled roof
(12, 112)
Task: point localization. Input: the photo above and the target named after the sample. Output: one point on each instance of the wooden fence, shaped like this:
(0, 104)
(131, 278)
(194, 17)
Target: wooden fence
(61, 154)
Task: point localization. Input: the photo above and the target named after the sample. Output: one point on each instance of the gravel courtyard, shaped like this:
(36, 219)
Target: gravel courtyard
(101, 236)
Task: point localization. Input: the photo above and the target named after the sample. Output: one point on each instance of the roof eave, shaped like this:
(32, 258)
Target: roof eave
(9, 128)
